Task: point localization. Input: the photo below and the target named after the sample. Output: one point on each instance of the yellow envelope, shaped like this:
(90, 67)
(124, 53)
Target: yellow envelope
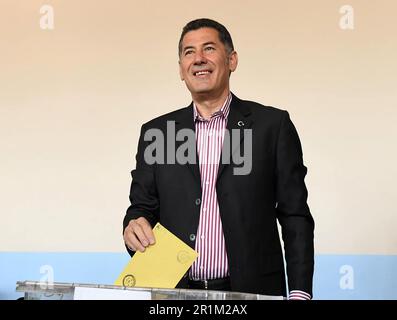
(162, 265)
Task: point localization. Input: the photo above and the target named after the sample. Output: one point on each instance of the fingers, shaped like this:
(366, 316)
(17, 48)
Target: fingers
(139, 234)
(147, 230)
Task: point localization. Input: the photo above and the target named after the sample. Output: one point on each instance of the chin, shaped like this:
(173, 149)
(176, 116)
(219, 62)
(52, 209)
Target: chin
(199, 90)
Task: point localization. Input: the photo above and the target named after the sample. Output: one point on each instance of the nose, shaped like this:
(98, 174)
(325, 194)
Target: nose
(199, 58)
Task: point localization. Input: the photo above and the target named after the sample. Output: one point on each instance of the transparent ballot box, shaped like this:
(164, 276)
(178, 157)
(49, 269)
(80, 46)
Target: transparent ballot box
(34, 290)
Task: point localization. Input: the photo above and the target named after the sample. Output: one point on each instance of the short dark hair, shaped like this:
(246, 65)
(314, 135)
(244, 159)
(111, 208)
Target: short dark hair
(224, 35)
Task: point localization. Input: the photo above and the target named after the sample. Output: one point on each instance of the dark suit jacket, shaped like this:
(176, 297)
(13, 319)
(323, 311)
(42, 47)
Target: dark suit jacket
(249, 204)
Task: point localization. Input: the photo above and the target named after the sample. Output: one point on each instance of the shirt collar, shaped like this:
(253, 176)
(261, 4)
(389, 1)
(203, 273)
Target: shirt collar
(223, 112)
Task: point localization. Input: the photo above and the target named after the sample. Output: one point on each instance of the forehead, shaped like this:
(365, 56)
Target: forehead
(200, 36)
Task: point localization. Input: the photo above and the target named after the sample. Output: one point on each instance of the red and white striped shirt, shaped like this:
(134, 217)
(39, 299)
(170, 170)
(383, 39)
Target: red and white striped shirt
(212, 262)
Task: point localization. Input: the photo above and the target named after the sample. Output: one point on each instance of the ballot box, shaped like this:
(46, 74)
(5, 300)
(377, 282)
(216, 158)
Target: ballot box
(34, 290)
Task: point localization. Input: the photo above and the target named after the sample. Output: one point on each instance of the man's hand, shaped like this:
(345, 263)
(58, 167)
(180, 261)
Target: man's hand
(138, 234)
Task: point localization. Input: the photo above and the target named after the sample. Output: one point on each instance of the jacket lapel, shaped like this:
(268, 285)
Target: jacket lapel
(185, 120)
(239, 118)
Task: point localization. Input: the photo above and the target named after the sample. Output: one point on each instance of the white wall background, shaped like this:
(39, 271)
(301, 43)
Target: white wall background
(72, 101)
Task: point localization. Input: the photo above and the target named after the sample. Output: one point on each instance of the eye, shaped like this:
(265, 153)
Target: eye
(209, 48)
(188, 52)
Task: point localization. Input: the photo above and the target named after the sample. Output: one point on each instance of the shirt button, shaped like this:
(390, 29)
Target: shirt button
(207, 182)
(192, 237)
(198, 201)
(204, 209)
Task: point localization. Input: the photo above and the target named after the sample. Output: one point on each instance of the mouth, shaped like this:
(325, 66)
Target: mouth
(202, 73)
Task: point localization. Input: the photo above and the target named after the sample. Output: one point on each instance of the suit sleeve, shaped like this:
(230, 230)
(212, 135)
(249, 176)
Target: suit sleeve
(293, 213)
(143, 193)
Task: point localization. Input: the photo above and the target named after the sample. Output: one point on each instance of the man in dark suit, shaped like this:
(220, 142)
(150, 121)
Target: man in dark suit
(222, 204)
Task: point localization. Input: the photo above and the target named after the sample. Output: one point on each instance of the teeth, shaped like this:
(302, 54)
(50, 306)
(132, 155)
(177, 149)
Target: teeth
(201, 72)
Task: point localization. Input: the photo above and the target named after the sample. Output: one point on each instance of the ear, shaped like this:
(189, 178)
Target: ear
(233, 61)
(180, 71)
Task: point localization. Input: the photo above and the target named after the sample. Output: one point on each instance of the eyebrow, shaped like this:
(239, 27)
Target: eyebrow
(204, 44)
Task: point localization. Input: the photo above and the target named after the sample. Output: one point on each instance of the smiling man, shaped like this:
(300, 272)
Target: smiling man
(229, 219)
(205, 63)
